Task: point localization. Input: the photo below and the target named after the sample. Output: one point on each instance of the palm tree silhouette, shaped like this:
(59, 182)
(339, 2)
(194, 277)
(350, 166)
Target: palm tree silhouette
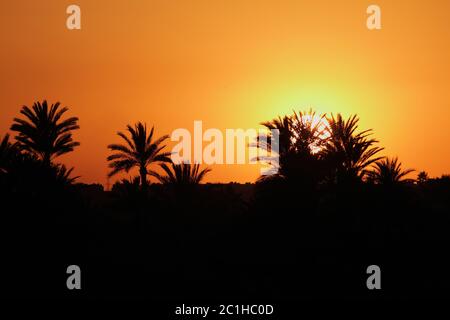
(140, 151)
(301, 138)
(388, 172)
(284, 127)
(309, 131)
(7, 152)
(422, 177)
(182, 174)
(351, 152)
(62, 175)
(43, 134)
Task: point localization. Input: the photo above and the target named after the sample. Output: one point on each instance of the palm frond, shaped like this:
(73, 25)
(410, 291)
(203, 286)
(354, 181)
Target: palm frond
(139, 151)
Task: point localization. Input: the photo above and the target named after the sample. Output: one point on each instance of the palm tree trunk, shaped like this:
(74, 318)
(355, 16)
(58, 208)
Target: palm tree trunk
(46, 160)
(143, 173)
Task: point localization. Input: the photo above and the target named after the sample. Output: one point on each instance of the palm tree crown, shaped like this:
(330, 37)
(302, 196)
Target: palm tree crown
(62, 175)
(388, 172)
(182, 174)
(284, 127)
(139, 151)
(7, 152)
(42, 133)
(352, 152)
(302, 136)
(422, 177)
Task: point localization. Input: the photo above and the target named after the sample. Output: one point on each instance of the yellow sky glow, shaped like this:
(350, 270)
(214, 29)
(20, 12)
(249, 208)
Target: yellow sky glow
(232, 64)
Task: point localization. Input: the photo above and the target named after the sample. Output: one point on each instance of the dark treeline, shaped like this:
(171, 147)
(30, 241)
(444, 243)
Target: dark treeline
(335, 207)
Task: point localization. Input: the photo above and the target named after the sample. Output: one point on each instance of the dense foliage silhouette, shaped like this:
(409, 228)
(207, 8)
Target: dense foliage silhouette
(334, 207)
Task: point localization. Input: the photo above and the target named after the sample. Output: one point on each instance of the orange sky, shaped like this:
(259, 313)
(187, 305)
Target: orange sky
(232, 64)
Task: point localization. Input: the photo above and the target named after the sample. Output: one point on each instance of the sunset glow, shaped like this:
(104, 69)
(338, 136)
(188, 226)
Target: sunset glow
(232, 64)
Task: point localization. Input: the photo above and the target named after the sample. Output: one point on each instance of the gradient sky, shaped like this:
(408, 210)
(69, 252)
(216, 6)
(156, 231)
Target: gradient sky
(232, 64)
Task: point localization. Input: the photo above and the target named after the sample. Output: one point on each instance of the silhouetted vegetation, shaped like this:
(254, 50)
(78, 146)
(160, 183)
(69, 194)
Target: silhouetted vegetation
(182, 174)
(43, 134)
(389, 172)
(140, 151)
(334, 207)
